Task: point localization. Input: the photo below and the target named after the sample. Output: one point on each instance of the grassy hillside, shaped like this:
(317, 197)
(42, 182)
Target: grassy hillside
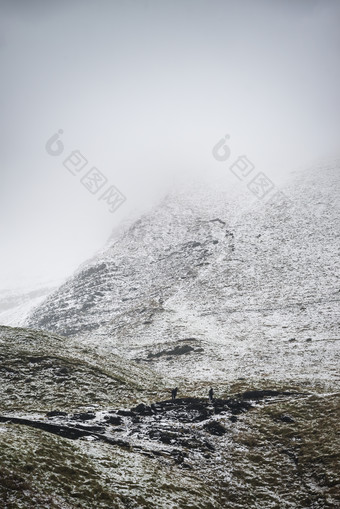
(280, 453)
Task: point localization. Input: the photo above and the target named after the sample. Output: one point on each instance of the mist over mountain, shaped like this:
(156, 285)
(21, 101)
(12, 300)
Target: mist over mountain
(228, 286)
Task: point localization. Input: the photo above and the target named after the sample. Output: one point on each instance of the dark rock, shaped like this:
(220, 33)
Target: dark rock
(185, 465)
(286, 418)
(178, 350)
(115, 420)
(35, 360)
(264, 394)
(62, 372)
(178, 456)
(192, 443)
(308, 340)
(209, 446)
(219, 409)
(292, 340)
(167, 437)
(187, 409)
(142, 409)
(64, 431)
(215, 428)
(233, 418)
(56, 413)
(237, 406)
(83, 416)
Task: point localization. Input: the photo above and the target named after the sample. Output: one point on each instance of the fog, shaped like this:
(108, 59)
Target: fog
(144, 90)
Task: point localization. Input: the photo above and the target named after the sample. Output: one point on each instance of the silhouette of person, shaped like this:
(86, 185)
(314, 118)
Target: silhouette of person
(211, 393)
(174, 393)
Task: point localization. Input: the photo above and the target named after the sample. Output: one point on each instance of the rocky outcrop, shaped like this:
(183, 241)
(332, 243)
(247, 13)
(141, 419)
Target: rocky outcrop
(176, 428)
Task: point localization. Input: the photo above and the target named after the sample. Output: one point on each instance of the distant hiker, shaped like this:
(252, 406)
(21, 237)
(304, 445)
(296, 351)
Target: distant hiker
(211, 393)
(174, 393)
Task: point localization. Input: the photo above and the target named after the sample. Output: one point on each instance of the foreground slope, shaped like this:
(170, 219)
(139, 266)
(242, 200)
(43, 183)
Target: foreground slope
(81, 430)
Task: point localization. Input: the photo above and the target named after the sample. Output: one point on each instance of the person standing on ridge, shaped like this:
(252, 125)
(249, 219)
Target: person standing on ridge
(211, 393)
(174, 393)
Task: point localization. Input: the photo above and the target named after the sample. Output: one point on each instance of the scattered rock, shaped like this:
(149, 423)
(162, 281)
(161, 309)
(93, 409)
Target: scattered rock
(265, 393)
(56, 413)
(187, 466)
(115, 420)
(286, 418)
(142, 409)
(178, 456)
(83, 416)
(35, 360)
(178, 350)
(215, 428)
(62, 371)
(238, 406)
(166, 437)
(164, 422)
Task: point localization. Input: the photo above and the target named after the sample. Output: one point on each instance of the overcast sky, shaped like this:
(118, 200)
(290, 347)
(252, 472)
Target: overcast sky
(144, 89)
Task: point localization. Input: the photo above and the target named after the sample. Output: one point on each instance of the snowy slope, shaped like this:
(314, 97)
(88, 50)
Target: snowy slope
(205, 288)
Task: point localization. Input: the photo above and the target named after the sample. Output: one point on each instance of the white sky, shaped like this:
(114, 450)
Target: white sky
(144, 89)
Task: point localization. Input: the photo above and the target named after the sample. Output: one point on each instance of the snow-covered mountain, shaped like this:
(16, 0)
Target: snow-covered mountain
(206, 288)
